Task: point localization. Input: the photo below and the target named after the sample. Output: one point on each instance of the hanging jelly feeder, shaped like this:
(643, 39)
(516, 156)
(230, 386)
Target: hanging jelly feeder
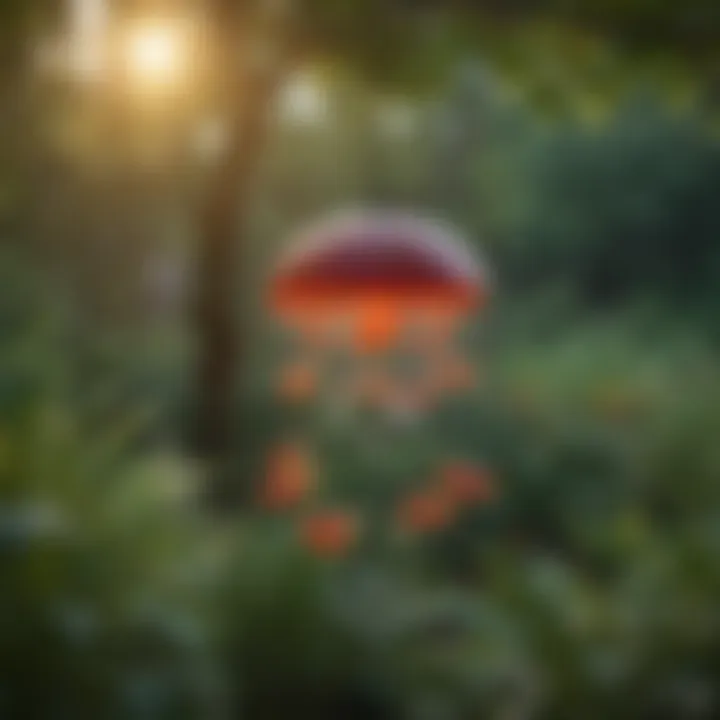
(373, 287)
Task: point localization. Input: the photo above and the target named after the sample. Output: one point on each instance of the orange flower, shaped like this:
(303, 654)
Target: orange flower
(467, 484)
(290, 476)
(425, 512)
(330, 533)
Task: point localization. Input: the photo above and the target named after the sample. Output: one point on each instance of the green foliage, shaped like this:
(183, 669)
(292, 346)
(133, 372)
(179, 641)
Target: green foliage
(639, 194)
(588, 590)
(405, 43)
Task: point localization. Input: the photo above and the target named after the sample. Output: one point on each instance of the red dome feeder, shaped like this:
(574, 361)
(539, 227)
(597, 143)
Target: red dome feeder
(381, 281)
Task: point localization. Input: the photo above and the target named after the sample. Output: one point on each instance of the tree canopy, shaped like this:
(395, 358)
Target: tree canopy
(409, 41)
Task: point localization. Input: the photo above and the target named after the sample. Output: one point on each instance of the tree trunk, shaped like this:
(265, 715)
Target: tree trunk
(249, 85)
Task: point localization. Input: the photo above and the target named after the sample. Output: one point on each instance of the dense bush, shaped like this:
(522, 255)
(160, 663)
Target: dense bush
(589, 589)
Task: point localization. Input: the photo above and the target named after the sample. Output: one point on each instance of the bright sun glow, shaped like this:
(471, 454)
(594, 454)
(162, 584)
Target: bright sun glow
(155, 56)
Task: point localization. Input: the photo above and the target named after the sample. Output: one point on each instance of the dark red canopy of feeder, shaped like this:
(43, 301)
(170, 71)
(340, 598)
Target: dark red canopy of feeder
(394, 258)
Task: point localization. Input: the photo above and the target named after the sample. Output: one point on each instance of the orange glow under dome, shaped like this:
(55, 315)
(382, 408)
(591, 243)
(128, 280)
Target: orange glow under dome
(377, 273)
